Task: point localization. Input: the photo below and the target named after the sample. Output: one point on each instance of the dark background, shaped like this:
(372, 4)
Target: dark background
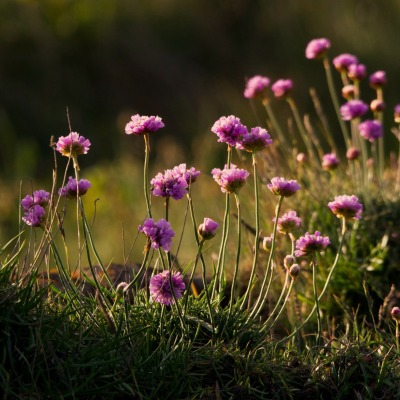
(185, 61)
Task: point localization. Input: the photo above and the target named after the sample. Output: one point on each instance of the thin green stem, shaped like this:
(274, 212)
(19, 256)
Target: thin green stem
(275, 124)
(314, 269)
(146, 172)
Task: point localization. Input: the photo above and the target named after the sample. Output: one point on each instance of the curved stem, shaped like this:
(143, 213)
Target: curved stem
(146, 172)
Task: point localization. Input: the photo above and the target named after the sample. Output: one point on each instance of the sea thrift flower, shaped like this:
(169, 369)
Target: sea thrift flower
(169, 184)
(301, 158)
(160, 287)
(71, 189)
(282, 88)
(352, 153)
(142, 124)
(371, 129)
(282, 187)
(347, 207)
(348, 92)
(229, 130)
(343, 61)
(159, 233)
(288, 261)
(39, 197)
(353, 109)
(230, 179)
(72, 145)
(294, 271)
(377, 79)
(267, 242)
(208, 229)
(256, 86)
(377, 105)
(288, 223)
(255, 140)
(34, 216)
(356, 72)
(395, 313)
(190, 175)
(317, 48)
(309, 244)
(397, 113)
(330, 161)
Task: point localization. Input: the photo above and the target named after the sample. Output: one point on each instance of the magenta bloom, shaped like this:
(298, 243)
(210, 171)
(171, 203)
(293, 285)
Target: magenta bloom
(288, 223)
(230, 179)
(309, 244)
(169, 184)
(353, 109)
(208, 229)
(371, 129)
(160, 287)
(229, 130)
(317, 48)
(256, 86)
(352, 153)
(395, 313)
(330, 161)
(356, 72)
(190, 175)
(160, 233)
(34, 216)
(343, 61)
(71, 189)
(39, 198)
(72, 145)
(142, 124)
(378, 79)
(347, 207)
(282, 88)
(255, 140)
(282, 187)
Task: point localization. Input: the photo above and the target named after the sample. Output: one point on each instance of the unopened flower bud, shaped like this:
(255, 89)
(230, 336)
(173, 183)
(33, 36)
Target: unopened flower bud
(294, 271)
(288, 261)
(377, 105)
(301, 158)
(208, 229)
(267, 243)
(352, 153)
(395, 313)
(348, 92)
(121, 288)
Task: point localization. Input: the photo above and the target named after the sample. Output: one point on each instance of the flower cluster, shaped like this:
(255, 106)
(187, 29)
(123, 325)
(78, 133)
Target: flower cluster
(73, 189)
(282, 187)
(288, 222)
(347, 207)
(343, 61)
(160, 287)
(142, 124)
(317, 48)
(256, 86)
(309, 244)
(255, 140)
(159, 233)
(330, 161)
(282, 88)
(229, 130)
(371, 129)
(34, 207)
(230, 179)
(72, 145)
(207, 229)
(353, 109)
(190, 175)
(169, 184)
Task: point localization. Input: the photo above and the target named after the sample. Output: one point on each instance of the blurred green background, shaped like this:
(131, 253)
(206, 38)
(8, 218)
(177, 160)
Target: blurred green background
(186, 61)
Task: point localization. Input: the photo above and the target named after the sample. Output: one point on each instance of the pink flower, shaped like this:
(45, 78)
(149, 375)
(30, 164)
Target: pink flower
(160, 287)
(282, 187)
(169, 184)
(255, 140)
(317, 48)
(347, 207)
(72, 145)
(207, 229)
(288, 223)
(309, 244)
(190, 175)
(142, 124)
(160, 233)
(353, 109)
(34, 216)
(378, 79)
(230, 179)
(256, 86)
(282, 88)
(71, 189)
(229, 130)
(330, 161)
(356, 72)
(371, 129)
(343, 61)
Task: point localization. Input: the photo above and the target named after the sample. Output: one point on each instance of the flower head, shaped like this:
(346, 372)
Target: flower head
(377, 79)
(72, 145)
(34, 216)
(356, 72)
(230, 179)
(72, 189)
(282, 88)
(352, 153)
(395, 313)
(159, 233)
(347, 207)
(282, 187)
(160, 287)
(371, 129)
(229, 130)
(317, 48)
(348, 92)
(190, 175)
(309, 244)
(39, 197)
(169, 184)
(256, 86)
(396, 112)
(288, 223)
(343, 61)
(377, 105)
(330, 161)
(208, 229)
(255, 140)
(294, 271)
(353, 109)
(142, 124)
